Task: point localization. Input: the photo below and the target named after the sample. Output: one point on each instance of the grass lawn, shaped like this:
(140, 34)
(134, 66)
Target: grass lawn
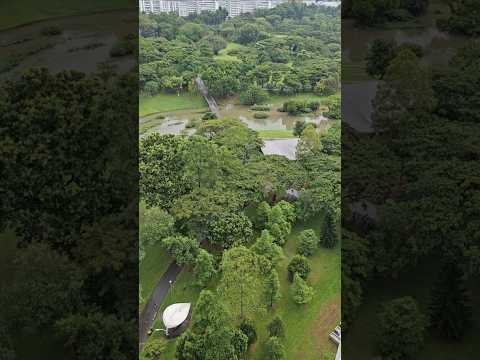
(223, 54)
(14, 13)
(359, 342)
(307, 327)
(275, 134)
(152, 268)
(170, 102)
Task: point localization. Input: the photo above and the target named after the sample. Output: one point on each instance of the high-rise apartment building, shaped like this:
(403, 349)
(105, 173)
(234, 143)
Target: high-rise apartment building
(187, 7)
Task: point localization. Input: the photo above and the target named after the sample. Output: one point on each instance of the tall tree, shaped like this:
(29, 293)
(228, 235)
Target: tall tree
(329, 231)
(204, 268)
(450, 309)
(241, 283)
(300, 291)
(272, 288)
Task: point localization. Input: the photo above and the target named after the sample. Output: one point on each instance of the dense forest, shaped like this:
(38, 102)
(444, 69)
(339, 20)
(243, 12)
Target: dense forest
(289, 49)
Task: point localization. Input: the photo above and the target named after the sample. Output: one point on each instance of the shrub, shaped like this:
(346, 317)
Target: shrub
(308, 243)
(248, 328)
(276, 328)
(254, 94)
(298, 265)
(160, 117)
(301, 292)
(260, 108)
(260, 115)
(154, 349)
(274, 349)
(209, 116)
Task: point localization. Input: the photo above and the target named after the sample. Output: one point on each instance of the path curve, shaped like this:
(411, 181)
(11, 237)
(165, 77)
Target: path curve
(147, 317)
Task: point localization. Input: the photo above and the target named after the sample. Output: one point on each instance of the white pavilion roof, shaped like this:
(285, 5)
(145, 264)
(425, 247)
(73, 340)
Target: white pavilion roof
(175, 314)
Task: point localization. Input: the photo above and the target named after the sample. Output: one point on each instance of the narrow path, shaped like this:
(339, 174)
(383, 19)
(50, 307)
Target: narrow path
(147, 317)
(212, 104)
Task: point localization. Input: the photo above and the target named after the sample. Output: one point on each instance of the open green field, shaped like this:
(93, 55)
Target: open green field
(223, 54)
(14, 13)
(307, 327)
(156, 262)
(170, 102)
(360, 339)
(276, 134)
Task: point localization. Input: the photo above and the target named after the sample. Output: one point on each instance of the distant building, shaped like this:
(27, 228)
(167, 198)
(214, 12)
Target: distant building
(187, 7)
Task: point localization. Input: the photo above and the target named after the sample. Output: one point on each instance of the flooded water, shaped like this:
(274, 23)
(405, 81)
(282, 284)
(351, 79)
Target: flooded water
(283, 147)
(85, 42)
(438, 46)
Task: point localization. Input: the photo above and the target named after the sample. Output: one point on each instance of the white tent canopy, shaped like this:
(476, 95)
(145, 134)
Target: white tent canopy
(174, 315)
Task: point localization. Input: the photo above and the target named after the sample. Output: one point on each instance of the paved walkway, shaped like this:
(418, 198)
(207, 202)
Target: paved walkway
(212, 104)
(149, 312)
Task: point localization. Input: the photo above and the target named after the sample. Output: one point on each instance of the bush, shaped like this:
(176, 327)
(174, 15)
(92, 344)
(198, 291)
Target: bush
(276, 328)
(254, 94)
(248, 328)
(154, 349)
(308, 243)
(209, 116)
(299, 265)
(301, 292)
(274, 349)
(260, 115)
(260, 108)
(160, 117)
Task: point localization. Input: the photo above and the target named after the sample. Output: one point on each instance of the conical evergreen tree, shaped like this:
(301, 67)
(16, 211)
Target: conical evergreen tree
(329, 234)
(450, 312)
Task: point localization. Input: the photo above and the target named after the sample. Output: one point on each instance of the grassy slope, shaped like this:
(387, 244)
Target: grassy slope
(307, 326)
(169, 102)
(152, 268)
(13, 13)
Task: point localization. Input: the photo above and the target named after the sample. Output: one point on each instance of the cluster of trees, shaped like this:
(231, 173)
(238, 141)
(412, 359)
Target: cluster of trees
(409, 169)
(173, 50)
(372, 12)
(463, 18)
(296, 107)
(70, 203)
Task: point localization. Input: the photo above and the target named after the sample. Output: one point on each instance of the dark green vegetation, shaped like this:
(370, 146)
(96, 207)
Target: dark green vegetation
(373, 12)
(217, 205)
(287, 50)
(410, 246)
(463, 18)
(14, 13)
(66, 201)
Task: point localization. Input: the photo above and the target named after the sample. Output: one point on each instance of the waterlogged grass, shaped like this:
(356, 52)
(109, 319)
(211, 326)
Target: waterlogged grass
(170, 102)
(276, 134)
(14, 13)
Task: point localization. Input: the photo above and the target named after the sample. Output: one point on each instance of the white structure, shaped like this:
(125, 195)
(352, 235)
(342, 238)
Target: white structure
(158, 6)
(336, 337)
(175, 315)
(187, 7)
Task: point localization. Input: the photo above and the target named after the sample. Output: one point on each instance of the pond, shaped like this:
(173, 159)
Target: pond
(175, 122)
(283, 147)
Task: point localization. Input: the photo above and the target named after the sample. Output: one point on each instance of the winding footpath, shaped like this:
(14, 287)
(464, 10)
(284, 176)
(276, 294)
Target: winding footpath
(149, 313)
